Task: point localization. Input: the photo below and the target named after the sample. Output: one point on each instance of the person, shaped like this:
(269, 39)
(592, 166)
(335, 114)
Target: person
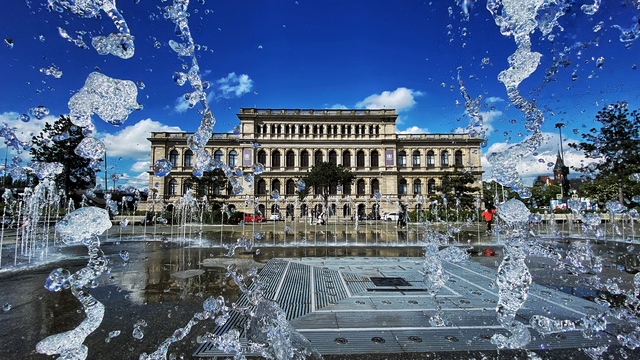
(487, 214)
(310, 217)
(402, 217)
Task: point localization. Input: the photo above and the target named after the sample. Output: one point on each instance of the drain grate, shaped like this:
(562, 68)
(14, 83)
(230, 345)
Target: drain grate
(389, 281)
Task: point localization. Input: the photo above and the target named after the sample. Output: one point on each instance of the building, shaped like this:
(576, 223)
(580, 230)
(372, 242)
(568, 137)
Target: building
(288, 142)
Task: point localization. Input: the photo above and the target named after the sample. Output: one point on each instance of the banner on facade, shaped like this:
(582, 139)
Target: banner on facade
(388, 158)
(247, 155)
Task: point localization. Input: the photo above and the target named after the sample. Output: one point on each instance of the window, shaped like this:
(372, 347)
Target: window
(374, 159)
(346, 189)
(375, 186)
(173, 157)
(233, 158)
(346, 159)
(290, 188)
(444, 159)
(333, 157)
(431, 187)
(360, 187)
(173, 187)
(290, 159)
(402, 158)
(304, 159)
(275, 159)
(431, 159)
(187, 185)
(402, 187)
(415, 158)
(457, 158)
(217, 155)
(317, 157)
(417, 187)
(275, 185)
(188, 158)
(262, 157)
(360, 159)
(262, 187)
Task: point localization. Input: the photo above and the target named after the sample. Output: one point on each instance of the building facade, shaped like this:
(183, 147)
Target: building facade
(403, 168)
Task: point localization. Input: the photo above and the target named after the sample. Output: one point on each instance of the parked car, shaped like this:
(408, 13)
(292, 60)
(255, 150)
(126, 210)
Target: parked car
(275, 217)
(390, 217)
(253, 218)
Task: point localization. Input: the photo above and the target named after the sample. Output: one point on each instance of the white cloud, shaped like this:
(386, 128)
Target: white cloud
(24, 130)
(140, 166)
(494, 99)
(139, 181)
(400, 99)
(181, 105)
(338, 107)
(132, 141)
(234, 85)
(413, 130)
(488, 118)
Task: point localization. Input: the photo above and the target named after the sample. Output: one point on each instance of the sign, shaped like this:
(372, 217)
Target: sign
(389, 158)
(559, 196)
(247, 157)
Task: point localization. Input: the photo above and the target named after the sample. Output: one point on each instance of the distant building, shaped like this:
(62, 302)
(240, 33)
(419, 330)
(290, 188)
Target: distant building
(402, 167)
(561, 174)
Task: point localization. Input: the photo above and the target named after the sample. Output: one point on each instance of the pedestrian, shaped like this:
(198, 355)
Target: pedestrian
(310, 212)
(487, 214)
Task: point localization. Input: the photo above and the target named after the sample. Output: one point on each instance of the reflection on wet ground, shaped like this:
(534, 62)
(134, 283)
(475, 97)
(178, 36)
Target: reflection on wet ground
(165, 283)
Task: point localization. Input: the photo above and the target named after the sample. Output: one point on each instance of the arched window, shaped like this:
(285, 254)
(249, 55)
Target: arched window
(346, 189)
(187, 185)
(375, 186)
(444, 158)
(375, 159)
(360, 159)
(275, 159)
(431, 187)
(233, 158)
(333, 157)
(360, 187)
(402, 158)
(457, 158)
(262, 187)
(415, 158)
(262, 157)
(173, 187)
(290, 159)
(417, 187)
(217, 155)
(317, 157)
(188, 158)
(173, 157)
(304, 159)
(346, 159)
(291, 187)
(431, 159)
(402, 187)
(275, 185)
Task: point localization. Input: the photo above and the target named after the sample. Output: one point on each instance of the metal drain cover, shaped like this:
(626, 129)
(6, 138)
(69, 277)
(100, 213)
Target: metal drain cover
(389, 281)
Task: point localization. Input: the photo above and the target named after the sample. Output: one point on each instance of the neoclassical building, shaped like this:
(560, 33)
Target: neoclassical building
(288, 142)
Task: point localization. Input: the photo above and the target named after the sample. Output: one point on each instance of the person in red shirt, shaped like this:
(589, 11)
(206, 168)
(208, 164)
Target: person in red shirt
(487, 214)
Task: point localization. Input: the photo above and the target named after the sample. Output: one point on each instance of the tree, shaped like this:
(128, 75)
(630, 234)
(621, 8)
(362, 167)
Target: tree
(616, 143)
(541, 195)
(207, 184)
(57, 143)
(325, 176)
(456, 186)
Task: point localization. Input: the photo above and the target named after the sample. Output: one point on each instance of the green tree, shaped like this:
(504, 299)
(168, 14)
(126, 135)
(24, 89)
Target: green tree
(542, 195)
(616, 143)
(494, 193)
(325, 176)
(57, 143)
(207, 184)
(456, 185)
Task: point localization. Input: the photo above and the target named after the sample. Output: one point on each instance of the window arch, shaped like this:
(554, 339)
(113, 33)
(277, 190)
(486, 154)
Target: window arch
(233, 158)
(415, 158)
(304, 159)
(289, 159)
(275, 185)
(346, 159)
(457, 158)
(262, 187)
(218, 155)
(188, 158)
(360, 187)
(262, 157)
(186, 186)
(173, 157)
(431, 159)
(290, 188)
(375, 186)
(360, 159)
(444, 158)
(275, 159)
(173, 187)
(333, 157)
(317, 157)
(402, 158)
(431, 187)
(402, 187)
(417, 187)
(375, 159)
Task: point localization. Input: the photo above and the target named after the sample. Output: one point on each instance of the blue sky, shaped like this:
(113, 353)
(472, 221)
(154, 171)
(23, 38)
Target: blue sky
(322, 54)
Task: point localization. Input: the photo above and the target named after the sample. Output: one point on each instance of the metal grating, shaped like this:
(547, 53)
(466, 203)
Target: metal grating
(389, 281)
(329, 288)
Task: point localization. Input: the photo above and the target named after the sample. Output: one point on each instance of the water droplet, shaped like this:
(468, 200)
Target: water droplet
(162, 167)
(39, 112)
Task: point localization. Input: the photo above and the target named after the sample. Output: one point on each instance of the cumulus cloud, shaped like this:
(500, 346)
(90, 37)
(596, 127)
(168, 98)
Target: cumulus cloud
(413, 130)
(138, 181)
(234, 85)
(132, 141)
(24, 130)
(338, 107)
(542, 163)
(488, 117)
(494, 99)
(400, 99)
(139, 166)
